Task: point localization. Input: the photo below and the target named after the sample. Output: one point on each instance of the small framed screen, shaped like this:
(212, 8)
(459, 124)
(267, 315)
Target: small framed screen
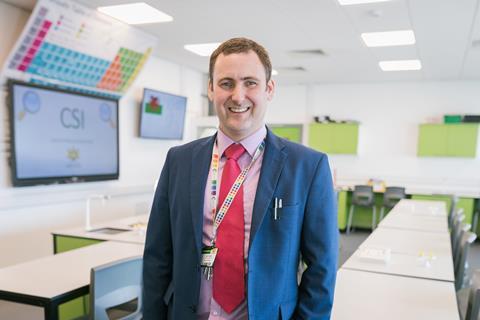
(162, 115)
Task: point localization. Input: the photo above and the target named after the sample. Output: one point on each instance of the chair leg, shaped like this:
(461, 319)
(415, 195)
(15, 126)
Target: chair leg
(350, 218)
(374, 217)
(382, 212)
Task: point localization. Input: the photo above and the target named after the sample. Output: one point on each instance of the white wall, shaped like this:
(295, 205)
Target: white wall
(29, 214)
(389, 114)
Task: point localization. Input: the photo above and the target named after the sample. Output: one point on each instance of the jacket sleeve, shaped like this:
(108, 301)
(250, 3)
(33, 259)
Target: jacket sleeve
(158, 255)
(319, 247)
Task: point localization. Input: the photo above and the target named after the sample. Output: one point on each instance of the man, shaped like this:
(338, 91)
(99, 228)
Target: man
(232, 213)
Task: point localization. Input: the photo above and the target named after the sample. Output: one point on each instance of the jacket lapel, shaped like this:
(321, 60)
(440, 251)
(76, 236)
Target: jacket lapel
(200, 166)
(272, 164)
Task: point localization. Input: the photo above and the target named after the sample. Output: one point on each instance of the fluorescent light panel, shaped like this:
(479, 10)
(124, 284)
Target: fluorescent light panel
(400, 65)
(389, 38)
(274, 72)
(202, 49)
(135, 13)
(350, 2)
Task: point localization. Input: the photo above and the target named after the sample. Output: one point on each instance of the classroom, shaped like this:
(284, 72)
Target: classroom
(382, 90)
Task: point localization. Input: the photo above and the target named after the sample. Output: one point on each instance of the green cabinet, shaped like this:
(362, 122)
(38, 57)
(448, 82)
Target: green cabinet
(67, 243)
(334, 138)
(79, 307)
(447, 140)
(289, 132)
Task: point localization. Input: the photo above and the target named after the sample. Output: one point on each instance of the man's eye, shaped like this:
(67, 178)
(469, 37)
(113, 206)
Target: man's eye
(226, 85)
(250, 83)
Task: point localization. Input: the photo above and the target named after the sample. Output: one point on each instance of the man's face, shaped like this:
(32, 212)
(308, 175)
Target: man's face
(240, 93)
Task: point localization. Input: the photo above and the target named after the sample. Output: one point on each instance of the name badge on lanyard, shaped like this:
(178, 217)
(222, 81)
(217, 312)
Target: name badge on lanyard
(208, 259)
(210, 252)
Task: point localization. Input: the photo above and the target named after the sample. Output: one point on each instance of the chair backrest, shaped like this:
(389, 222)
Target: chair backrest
(363, 195)
(455, 229)
(452, 217)
(116, 290)
(463, 228)
(473, 306)
(467, 239)
(392, 195)
(453, 204)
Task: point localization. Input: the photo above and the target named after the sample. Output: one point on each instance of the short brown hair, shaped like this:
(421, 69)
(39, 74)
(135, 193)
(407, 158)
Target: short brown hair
(241, 45)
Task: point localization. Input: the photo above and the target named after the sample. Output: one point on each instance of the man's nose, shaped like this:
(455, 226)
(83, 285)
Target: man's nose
(238, 95)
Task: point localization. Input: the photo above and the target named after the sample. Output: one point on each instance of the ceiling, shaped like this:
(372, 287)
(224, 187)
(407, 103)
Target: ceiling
(447, 34)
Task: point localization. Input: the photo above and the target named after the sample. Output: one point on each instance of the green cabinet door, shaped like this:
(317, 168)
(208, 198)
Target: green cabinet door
(462, 140)
(345, 138)
(447, 140)
(432, 140)
(77, 308)
(292, 133)
(333, 138)
(320, 137)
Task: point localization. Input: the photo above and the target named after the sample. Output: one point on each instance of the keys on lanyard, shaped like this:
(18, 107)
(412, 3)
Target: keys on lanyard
(208, 259)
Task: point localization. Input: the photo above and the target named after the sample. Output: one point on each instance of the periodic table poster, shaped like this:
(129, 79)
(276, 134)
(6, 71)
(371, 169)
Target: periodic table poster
(69, 44)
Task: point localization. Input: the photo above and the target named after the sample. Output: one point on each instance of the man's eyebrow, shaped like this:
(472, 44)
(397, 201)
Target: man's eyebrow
(249, 78)
(225, 78)
(241, 79)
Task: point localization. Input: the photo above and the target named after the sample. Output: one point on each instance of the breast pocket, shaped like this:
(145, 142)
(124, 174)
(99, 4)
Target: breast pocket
(285, 220)
(285, 212)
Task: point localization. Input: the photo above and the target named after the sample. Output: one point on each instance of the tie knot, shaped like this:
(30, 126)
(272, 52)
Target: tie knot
(234, 151)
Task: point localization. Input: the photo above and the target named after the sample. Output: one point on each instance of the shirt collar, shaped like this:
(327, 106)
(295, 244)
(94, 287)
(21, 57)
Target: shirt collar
(250, 143)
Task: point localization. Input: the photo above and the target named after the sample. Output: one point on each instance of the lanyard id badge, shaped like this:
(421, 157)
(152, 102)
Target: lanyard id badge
(210, 252)
(208, 259)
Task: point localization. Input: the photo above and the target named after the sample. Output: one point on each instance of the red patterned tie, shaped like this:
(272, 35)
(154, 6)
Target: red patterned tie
(228, 272)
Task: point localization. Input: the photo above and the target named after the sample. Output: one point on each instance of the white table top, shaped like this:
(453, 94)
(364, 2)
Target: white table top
(410, 241)
(413, 253)
(421, 207)
(364, 295)
(57, 274)
(419, 222)
(136, 230)
(408, 265)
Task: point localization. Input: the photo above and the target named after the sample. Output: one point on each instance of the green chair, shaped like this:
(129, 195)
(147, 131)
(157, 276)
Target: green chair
(362, 197)
(390, 198)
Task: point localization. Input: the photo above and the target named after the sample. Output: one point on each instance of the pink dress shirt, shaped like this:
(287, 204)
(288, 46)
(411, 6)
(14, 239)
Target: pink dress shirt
(207, 306)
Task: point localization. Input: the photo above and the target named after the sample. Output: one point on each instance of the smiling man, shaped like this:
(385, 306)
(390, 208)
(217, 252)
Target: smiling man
(233, 213)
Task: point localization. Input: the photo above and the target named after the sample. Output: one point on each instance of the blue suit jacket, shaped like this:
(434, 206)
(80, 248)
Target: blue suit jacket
(307, 225)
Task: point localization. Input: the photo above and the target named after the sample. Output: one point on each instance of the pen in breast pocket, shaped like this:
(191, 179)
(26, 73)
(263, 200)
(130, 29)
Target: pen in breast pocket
(277, 205)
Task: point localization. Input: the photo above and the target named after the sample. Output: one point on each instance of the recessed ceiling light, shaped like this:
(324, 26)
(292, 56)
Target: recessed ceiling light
(350, 2)
(135, 13)
(202, 49)
(400, 65)
(388, 38)
(274, 72)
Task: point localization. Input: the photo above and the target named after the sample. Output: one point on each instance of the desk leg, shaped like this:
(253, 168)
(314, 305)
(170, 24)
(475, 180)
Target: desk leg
(51, 311)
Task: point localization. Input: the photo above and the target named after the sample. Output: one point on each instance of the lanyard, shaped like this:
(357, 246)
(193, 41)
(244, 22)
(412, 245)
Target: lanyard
(218, 217)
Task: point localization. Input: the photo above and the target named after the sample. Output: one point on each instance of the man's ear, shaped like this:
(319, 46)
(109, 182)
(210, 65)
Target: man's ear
(210, 90)
(270, 89)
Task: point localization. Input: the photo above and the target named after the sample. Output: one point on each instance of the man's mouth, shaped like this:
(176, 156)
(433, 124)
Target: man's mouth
(238, 109)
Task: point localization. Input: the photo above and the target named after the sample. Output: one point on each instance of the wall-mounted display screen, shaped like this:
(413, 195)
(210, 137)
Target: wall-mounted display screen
(60, 136)
(162, 115)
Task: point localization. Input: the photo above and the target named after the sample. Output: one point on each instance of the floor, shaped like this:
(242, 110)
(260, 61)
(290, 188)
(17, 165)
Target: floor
(348, 245)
